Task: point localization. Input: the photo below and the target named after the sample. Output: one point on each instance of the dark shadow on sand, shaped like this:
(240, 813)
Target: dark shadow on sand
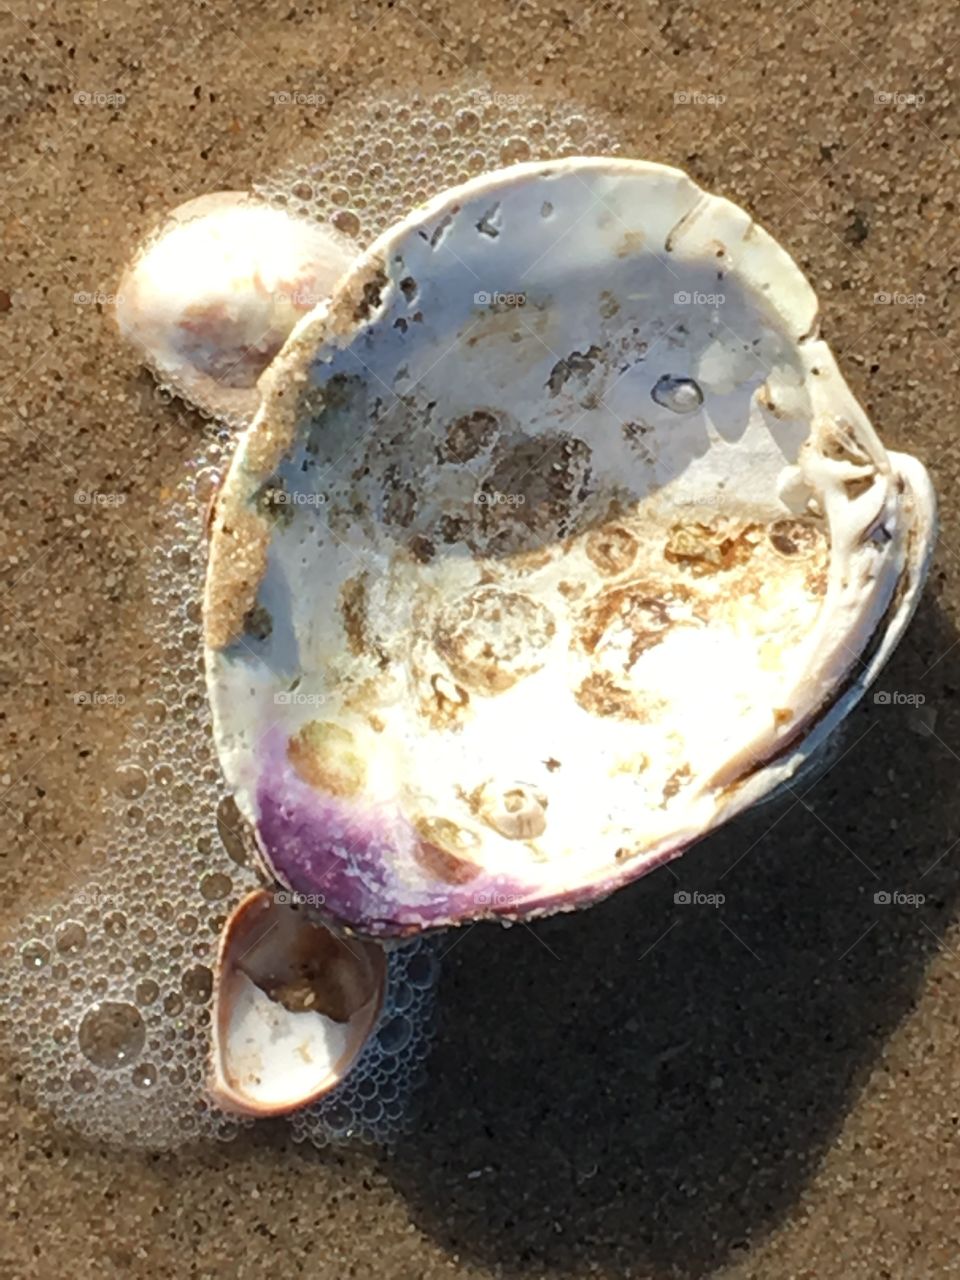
(647, 1085)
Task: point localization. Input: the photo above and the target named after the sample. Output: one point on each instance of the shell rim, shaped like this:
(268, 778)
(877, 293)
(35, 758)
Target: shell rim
(324, 326)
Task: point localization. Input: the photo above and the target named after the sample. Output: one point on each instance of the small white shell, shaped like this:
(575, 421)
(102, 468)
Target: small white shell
(211, 297)
(294, 1004)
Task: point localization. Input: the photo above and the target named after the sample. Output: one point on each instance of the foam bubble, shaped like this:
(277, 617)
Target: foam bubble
(384, 156)
(105, 993)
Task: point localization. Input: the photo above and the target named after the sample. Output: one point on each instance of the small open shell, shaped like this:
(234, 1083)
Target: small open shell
(212, 296)
(558, 540)
(293, 1006)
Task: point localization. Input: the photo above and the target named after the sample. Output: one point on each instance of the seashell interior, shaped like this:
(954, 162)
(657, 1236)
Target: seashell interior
(559, 538)
(293, 1006)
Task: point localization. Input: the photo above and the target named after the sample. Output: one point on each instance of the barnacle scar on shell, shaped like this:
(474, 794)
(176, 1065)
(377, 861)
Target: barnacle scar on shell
(557, 540)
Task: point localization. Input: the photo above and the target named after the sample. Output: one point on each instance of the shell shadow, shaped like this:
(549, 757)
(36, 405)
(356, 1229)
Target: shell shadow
(648, 1084)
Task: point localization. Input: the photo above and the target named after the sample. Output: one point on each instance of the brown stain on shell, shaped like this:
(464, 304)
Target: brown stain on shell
(600, 695)
(545, 479)
(491, 639)
(258, 623)
(516, 811)
(422, 548)
(640, 607)
(632, 243)
(703, 548)
(353, 611)
(324, 755)
(676, 782)
(796, 539)
(469, 435)
(612, 549)
(442, 851)
(608, 305)
(442, 865)
(448, 704)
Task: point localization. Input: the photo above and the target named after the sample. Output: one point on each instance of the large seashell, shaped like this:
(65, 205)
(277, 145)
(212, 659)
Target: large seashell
(558, 540)
(293, 1006)
(211, 297)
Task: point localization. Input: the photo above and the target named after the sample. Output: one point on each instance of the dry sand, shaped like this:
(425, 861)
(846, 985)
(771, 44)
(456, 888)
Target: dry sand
(644, 1090)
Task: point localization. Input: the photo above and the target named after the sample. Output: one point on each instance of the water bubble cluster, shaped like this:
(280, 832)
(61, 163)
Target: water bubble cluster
(373, 1100)
(105, 994)
(384, 156)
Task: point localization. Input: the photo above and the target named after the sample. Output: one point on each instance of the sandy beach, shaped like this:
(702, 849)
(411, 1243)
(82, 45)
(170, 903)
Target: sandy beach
(646, 1089)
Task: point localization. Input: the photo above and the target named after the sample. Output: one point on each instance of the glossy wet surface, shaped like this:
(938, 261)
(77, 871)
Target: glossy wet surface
(586, 605)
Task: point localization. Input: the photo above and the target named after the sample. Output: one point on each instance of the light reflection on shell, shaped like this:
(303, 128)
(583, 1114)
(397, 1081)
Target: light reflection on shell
(529, 578)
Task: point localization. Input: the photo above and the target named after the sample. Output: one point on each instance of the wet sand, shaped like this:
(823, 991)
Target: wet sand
(649, 1089)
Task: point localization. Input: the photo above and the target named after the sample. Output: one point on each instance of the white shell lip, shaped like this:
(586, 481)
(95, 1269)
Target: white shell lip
(211, 296)
(803, 428)
(293, 1007)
